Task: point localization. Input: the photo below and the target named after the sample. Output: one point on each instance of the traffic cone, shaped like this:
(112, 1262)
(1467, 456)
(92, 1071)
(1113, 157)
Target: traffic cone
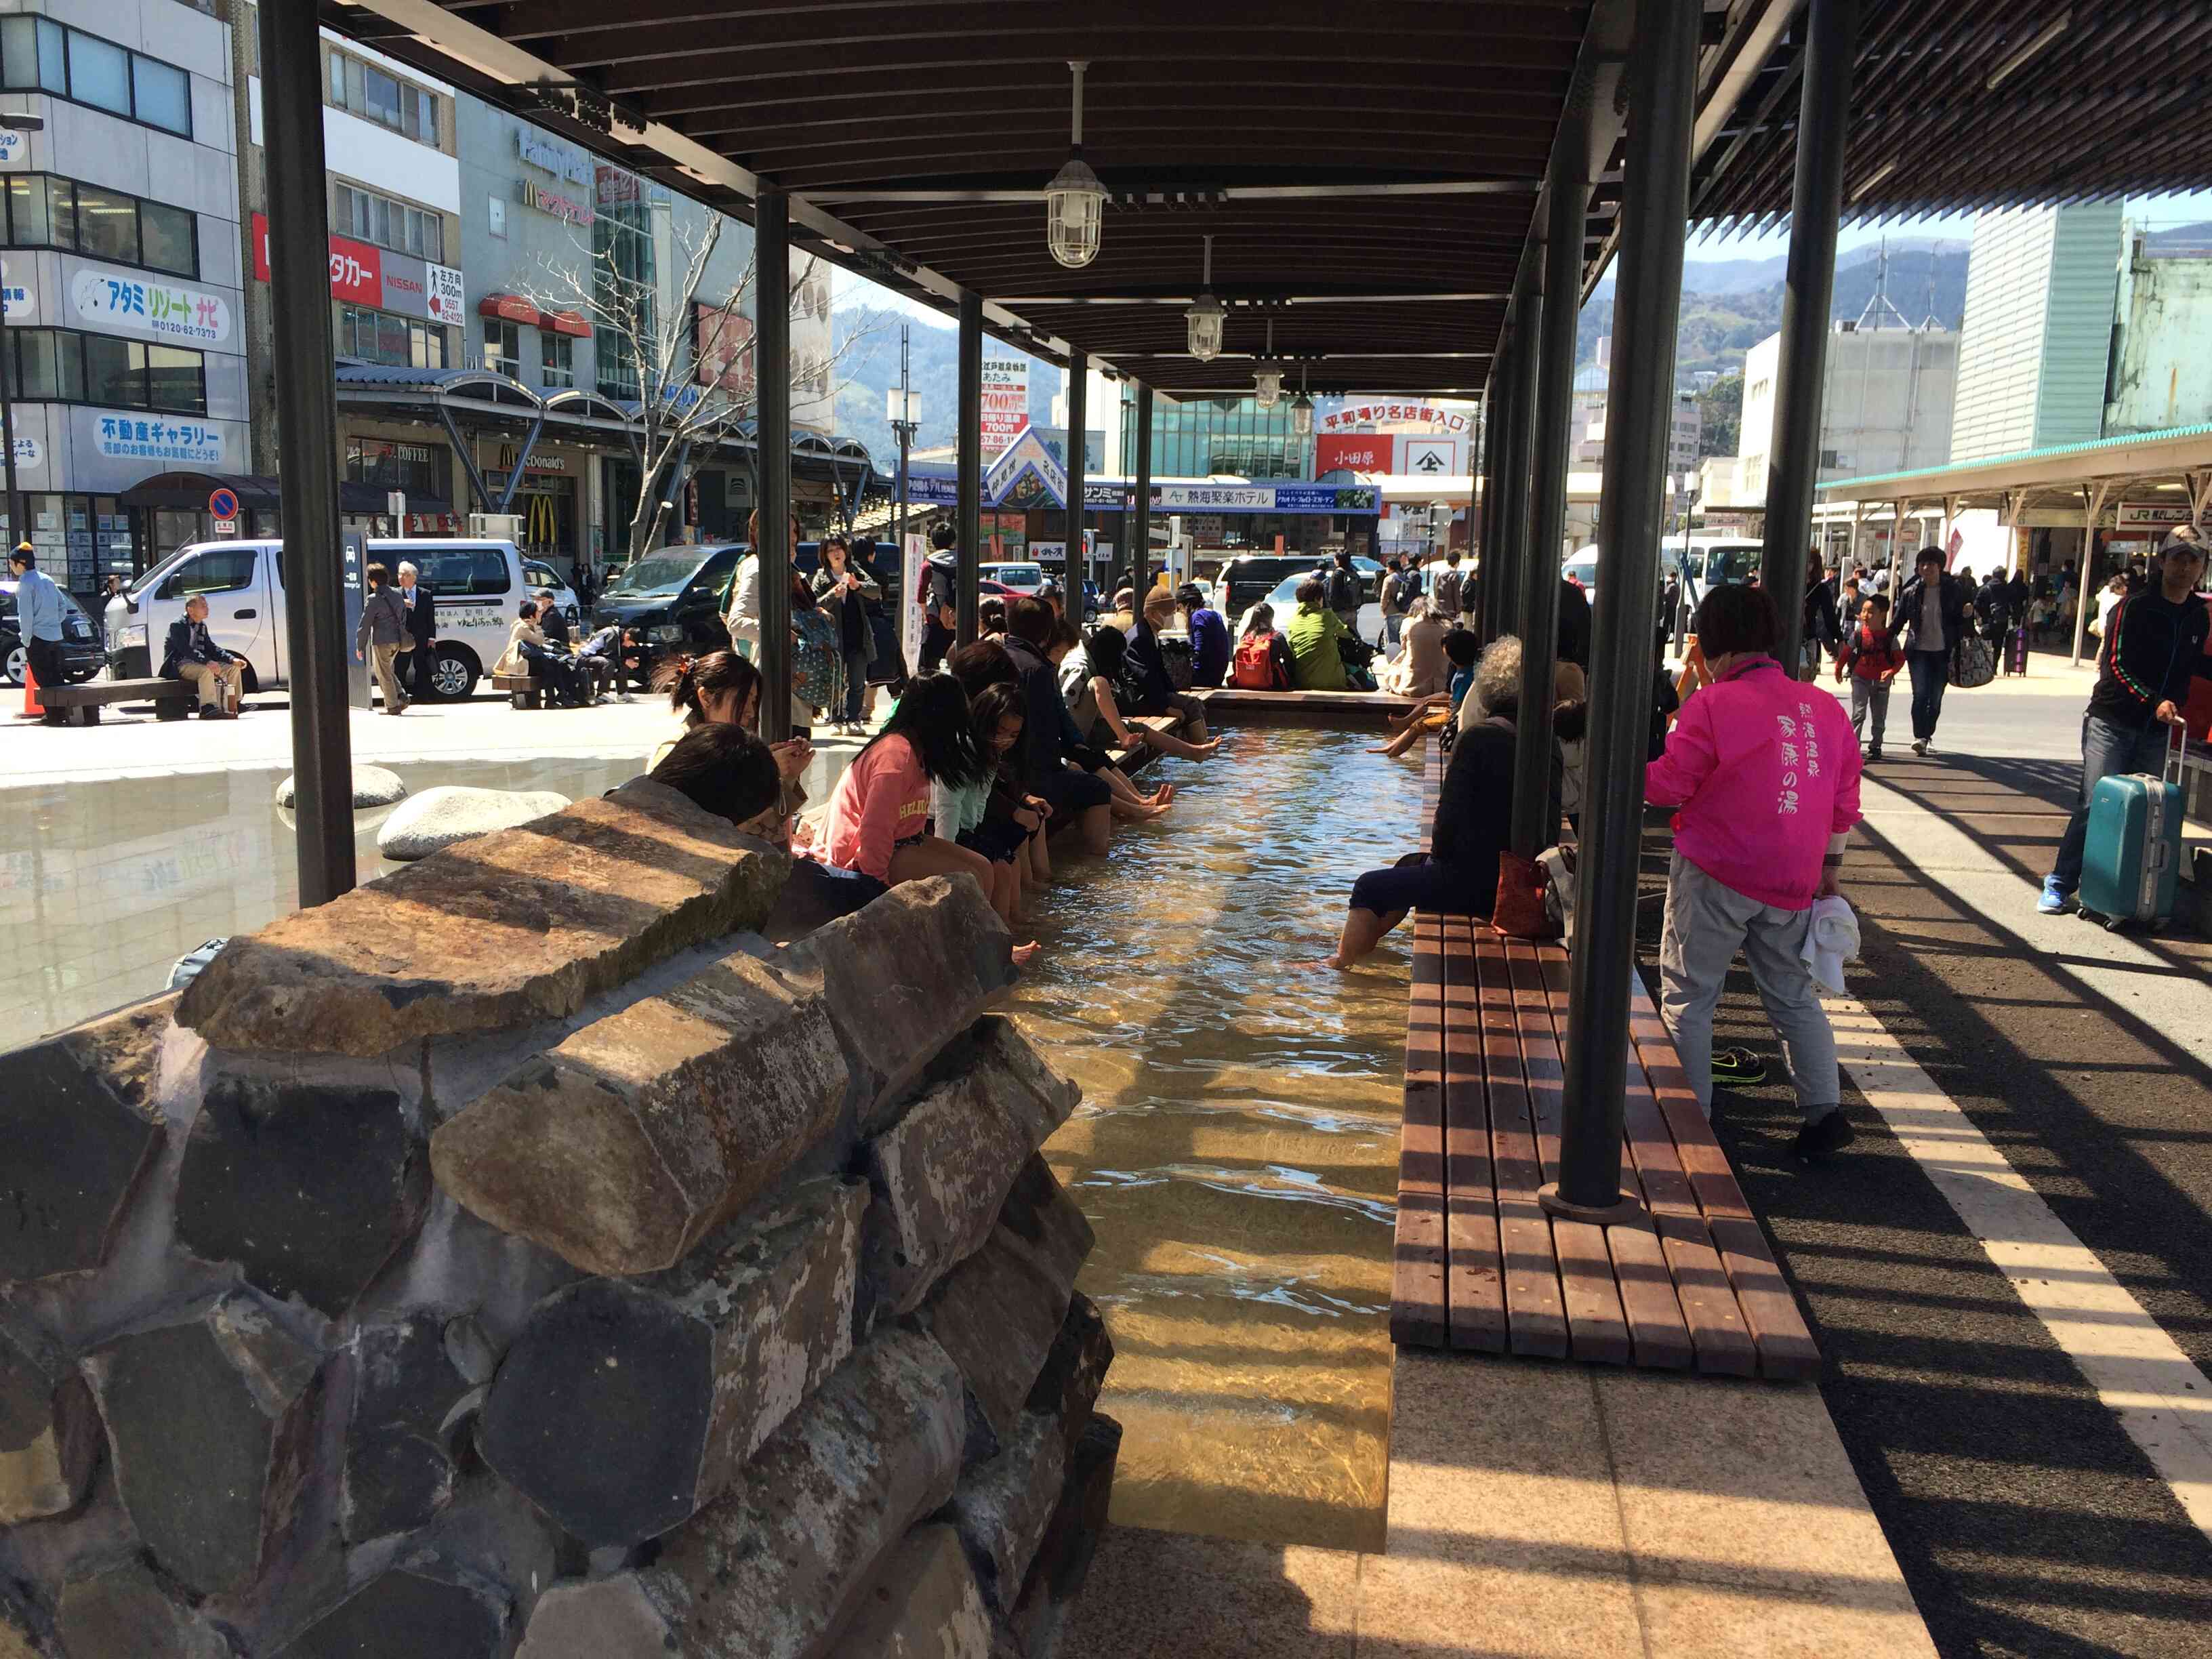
(33, 708)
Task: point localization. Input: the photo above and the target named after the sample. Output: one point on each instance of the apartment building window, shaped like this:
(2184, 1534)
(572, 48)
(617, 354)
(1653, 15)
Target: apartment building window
(378, 219)
(385, 337)
(559, 358)
(36, 53)
(502, 342)
(42, 211)
(63, 365)
(375, 96)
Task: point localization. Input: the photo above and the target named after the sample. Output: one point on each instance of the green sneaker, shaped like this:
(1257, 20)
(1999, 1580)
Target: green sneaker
(1738, 1068)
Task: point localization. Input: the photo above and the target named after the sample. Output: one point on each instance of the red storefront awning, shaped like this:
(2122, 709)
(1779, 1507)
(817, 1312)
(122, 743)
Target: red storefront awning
(566, 322)
(513, 308)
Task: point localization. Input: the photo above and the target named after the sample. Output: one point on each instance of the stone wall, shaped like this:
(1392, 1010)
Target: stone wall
(520, 1255)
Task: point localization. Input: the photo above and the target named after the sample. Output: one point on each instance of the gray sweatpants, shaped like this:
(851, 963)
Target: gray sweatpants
(1706, 922)
(1869, 697)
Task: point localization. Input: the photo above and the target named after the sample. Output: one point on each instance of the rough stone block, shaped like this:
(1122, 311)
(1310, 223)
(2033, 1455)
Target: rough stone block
(49, 1436)
(942, 1172)
(1071, 1537)
(598, 1618)
(122, 1609)
(622, 1408)
(452, 812)
(398, 1473)
(81, 1127)
(924, 1605)
(1049, 1224)
(772, 1569)
(409, 1612)
(637, 1136)
(1068, 1386)
(1001, 1507)
(309, 1188)
(210, 1421)
(372, 786)
(524, 924)
(997, 1313)
(905, 974)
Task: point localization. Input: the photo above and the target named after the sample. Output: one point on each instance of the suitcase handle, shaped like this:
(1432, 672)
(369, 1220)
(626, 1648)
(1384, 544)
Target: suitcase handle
(2177, 752)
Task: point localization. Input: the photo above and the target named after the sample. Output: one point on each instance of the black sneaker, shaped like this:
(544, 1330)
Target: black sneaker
(1873, 754)
(1738, 1068)
(1816, 1142)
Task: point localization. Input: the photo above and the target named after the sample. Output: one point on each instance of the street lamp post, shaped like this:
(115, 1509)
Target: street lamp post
(18, 526)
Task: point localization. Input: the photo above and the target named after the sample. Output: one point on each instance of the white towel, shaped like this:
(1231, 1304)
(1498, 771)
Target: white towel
(1830, 942)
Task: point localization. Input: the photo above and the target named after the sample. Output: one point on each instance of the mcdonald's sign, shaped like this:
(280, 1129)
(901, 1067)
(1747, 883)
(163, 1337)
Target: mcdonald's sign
(541, 522)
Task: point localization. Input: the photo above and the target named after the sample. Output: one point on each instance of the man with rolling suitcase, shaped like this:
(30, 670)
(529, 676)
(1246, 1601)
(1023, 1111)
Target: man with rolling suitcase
(2152, 645)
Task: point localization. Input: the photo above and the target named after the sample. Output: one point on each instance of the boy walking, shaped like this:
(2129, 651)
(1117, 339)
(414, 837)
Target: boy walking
(1872, 661)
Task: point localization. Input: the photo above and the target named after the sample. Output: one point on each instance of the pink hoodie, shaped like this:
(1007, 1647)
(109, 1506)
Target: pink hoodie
(882, 800)
(1765, 771)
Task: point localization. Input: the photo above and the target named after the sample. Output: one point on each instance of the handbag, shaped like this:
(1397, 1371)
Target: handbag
(1520, 911)
(1176, 655)
(1973, 663)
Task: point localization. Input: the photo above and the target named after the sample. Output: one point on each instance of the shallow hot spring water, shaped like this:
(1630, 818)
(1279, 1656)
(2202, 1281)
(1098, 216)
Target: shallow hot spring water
(1237, 1148)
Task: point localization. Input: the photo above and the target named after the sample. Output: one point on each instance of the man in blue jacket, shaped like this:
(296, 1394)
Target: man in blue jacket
(2153, 646)
(39, 614)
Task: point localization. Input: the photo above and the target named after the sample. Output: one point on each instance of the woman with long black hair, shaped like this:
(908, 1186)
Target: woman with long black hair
(880, 814)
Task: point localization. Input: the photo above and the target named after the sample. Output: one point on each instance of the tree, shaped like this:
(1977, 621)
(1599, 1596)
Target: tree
(1720, 408)
(695, 362)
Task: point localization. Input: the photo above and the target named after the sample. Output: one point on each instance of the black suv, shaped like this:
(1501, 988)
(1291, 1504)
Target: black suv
(672, 596)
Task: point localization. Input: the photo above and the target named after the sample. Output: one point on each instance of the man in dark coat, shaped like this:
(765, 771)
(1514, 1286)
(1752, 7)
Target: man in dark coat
(415, 661)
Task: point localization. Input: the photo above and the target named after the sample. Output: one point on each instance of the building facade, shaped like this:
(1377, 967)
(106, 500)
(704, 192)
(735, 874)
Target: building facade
(2035, 345)
(2160, 372)
(124, 351)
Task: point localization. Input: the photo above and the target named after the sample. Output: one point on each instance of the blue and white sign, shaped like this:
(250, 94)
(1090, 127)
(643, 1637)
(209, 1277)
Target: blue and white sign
(132, 436)
(15, 148)
(558, 160)
(120, 302)
(22, 305)
(1327, 498)
(29, 453)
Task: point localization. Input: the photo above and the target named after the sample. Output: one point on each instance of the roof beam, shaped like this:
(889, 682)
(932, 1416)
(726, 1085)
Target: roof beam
(1032, 195)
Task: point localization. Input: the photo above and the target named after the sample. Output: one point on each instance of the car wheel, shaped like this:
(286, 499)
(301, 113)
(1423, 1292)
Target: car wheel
(452, 675)
(15, 663)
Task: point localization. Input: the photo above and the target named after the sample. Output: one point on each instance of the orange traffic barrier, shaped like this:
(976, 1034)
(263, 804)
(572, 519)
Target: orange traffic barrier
(33, 708)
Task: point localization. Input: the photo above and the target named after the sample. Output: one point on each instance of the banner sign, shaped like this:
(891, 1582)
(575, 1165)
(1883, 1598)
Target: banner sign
(2151, 515)
(1005, 402)
(370, 275)
(1352, 454)
(1352, 412)
(117, 301)
(1113, 496)
(135, 437)
(548, 156)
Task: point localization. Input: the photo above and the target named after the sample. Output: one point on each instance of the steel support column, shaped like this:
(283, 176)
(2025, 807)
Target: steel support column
(968, 608)
(1502, 601)
(1793, 466)
(1566, 206)
(307, 425)
(1487, 483)
(1639, 417)
(1079, 414)
(1140, 519)
(772, 373)
(1521, 453)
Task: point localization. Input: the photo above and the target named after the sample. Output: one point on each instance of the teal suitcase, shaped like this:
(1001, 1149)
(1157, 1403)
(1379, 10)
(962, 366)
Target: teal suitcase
(2132, 858)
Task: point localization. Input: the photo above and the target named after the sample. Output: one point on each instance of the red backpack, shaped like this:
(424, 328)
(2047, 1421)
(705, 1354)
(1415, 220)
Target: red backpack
(1255, 668)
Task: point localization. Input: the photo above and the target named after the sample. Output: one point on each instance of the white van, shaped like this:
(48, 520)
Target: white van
(1712, 560)
(478, 586)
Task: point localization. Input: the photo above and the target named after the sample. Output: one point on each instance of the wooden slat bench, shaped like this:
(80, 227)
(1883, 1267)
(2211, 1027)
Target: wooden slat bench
(1691, 1283)
(81, 704)
(1235, 703)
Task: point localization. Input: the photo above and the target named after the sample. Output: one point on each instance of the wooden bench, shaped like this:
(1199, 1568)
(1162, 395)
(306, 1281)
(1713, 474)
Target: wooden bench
(522, 691)
(81, 704)
(1238, 703)
(1690, 1284)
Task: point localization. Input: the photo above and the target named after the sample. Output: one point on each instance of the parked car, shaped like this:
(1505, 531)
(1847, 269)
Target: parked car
(84, 655)
(1718, 561)
(1024, 579)
(541, 575)
(672, 596)
(1582, 571)
(477, 585)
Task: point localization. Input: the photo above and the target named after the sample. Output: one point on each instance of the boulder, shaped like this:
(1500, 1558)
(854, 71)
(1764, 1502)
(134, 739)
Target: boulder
(1073, 1373)
(1048, 1224)
(598, 1618)
(451, 812)
(81, 1128)
(211, 1422)
(771, 1569)
(514, 926)
(398, 1473)
(925, 1606)
(122, 1609)
(409, 1612)
(1071, 1537)
(997, 1315)
(904, 974)
(49, 1428)
(623, 1407)
(308, 1187)
(1002, 1506)
(638, 1135)
(942, 1172)
(372, 786)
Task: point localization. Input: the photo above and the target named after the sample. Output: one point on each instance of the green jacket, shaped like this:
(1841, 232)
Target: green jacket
(1314, 634)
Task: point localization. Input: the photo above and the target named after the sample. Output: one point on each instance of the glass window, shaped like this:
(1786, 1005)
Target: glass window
(336, 78)
(392, 339)
(114, 370)
(502, 347)
(430, 346)
(98, 73)
(39, 374)
(214, 570)
(54, 72)
(27, 212)
(379, 96)
(559, 351)
(61, 211)
(176, 378)
(18, 51)
(460, 572)
(162, 95)
(168, 241)
(107, 224)
(426, 117)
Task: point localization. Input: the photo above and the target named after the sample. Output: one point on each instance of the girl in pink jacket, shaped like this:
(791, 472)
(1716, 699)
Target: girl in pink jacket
(1764, 772)
(878, 822)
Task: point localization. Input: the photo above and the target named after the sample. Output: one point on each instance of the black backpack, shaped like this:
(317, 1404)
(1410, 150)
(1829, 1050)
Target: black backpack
(1343, 590)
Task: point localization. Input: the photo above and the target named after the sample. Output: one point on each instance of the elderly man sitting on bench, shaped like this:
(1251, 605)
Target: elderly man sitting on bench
(193, 656)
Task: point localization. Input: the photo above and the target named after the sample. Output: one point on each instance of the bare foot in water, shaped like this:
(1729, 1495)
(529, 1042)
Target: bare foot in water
(1337, 963)
(1022, 953)
(1206, 749)
(1161, 796)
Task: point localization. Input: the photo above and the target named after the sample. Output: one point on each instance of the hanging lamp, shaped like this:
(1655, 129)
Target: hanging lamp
(1302, 409)
(1204, 319)
(1267, 377)
(1074, 202)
